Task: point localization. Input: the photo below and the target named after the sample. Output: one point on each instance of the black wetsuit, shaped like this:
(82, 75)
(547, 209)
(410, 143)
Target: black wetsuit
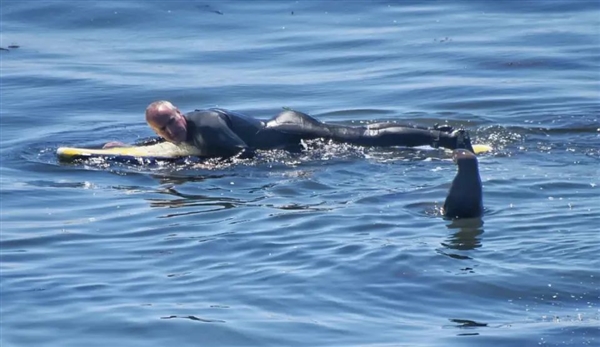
(222, 133)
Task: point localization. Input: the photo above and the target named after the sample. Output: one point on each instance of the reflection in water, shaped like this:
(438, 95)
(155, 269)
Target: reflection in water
(178, 180)
(466, 238)
(466, 324)
(193, 200)
(52, 184)
(206, 203)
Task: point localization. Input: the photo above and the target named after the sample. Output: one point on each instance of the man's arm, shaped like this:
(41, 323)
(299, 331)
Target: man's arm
(143, 142)
(113, 144)
(215, 138)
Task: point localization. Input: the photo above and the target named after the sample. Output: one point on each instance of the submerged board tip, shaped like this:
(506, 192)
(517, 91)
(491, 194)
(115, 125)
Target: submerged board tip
(481, 148)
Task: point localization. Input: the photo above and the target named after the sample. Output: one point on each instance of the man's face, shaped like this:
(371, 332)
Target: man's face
(168, 123)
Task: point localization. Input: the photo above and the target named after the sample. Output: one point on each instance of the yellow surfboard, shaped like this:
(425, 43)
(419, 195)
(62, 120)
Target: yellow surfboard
(163, 150)
(478, 149)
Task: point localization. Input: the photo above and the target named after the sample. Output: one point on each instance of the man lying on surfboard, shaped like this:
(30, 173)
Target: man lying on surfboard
(222, 133)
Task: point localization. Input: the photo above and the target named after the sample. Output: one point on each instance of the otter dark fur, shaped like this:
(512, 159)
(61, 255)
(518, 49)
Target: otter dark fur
(465, 197)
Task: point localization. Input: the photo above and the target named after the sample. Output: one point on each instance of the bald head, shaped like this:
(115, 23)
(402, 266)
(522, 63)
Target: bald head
(159, 109)
(167, 121)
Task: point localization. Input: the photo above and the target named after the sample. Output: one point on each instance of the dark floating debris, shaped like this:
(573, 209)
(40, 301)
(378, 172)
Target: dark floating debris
(195, 319)
(442, 40)
(466, 323)
(11, 46)
(210, 9)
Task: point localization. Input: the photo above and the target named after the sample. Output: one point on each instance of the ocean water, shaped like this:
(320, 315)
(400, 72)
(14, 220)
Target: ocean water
(335, 246)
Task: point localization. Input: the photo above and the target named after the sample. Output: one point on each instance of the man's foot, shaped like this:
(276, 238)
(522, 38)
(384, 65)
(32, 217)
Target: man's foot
(463, 140)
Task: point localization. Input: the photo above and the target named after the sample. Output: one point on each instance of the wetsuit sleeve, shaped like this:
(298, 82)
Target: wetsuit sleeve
(215, 137)
(149, 141)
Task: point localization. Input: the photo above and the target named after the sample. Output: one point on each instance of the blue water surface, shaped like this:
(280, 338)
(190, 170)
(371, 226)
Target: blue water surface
(335, 246)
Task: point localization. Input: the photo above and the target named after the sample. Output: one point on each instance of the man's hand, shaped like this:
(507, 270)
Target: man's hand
(114, 144)
(246, 153)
